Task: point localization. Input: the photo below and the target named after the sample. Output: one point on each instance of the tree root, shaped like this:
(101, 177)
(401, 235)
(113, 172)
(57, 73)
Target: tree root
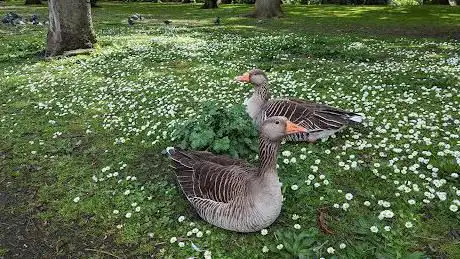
(77, 52)
(102, 252)
(322, 221)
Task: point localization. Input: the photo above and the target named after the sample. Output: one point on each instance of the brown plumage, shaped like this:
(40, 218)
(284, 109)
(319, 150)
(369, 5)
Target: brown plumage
(319, 119)
(230, 193)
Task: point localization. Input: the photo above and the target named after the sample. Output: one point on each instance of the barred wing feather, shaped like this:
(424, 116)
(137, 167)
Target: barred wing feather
(201, 179)
(320, 120)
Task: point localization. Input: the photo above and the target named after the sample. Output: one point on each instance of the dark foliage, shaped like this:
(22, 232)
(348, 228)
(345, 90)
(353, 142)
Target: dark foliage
(33, 2)
(209, 4)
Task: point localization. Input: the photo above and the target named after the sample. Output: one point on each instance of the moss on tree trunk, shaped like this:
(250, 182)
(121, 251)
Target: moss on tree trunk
(70, 26)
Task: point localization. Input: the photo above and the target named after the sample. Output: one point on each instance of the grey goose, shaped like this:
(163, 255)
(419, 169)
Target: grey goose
(230, 193)
(320, 120)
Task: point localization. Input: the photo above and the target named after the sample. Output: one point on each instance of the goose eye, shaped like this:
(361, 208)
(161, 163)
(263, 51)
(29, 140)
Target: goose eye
(277, 122)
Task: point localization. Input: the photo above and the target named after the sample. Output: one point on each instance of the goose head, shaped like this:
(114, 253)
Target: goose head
(255, 76)
(277, 127)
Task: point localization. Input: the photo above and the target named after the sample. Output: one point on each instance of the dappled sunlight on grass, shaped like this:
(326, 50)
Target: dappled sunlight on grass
(450, 16)
(333, 11)
(438, 21)
(242, 27)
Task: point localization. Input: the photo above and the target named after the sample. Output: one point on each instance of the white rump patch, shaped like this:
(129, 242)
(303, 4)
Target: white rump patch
(357, 118)
(169, 149)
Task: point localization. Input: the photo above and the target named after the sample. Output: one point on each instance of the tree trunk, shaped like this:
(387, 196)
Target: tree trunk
(209, 4)
(267, 9)
(33, 2)
(70, 26)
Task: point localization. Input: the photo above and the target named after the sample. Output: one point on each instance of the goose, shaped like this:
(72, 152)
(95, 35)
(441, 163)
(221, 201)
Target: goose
(320, 120)
(230, 193)
(217, 21)
(130, 21)
(136, 17)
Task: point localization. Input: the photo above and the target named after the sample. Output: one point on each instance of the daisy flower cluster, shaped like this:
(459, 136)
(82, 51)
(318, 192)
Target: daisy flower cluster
(405, 157)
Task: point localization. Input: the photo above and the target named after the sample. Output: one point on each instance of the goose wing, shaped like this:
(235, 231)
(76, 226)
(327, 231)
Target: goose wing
(203, 180)
(329, 111)
(221, 160)
(320, 120)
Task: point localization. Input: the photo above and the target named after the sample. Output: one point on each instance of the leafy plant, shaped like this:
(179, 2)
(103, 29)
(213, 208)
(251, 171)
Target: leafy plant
(300, 245)
(220, 130)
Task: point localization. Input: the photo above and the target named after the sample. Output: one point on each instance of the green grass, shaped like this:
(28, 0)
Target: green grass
(85, 126)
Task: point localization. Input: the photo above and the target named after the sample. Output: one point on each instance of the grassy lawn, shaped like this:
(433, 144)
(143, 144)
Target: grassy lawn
(81, 169)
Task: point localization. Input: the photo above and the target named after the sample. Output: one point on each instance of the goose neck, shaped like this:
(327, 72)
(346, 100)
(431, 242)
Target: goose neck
(261, 91)
(268, 153)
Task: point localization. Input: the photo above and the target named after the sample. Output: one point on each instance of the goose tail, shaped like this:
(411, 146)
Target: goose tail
(182, 160)
(356, 118)
(170, 151)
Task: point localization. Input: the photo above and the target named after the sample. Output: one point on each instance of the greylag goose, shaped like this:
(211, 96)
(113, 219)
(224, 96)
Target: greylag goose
(319, 119)
(230, 193)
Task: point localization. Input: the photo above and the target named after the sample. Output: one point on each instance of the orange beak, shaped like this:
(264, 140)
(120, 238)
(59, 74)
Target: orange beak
(292, 128)
(243, 78)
